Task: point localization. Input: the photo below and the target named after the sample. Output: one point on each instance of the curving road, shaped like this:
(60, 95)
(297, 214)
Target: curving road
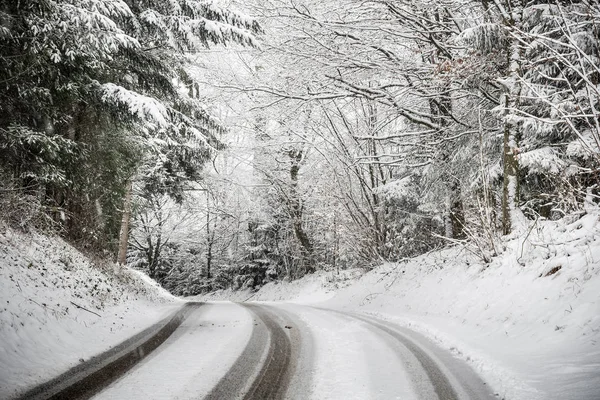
(284, 351)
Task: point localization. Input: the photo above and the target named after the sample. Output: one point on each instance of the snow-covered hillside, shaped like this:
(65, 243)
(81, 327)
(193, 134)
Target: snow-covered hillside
(58, 308)
(529, 322)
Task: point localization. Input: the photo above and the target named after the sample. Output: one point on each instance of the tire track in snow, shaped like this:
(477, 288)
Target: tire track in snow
(193, 360)
(269, 347)
(273, 378)
(89, 378)
(451, 379)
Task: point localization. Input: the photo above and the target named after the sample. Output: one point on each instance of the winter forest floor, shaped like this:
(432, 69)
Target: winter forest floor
(528, 322)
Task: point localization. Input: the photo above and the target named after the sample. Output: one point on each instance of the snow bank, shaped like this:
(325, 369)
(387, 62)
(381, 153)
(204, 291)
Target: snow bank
(528, 322)
(310, 289)
(57, 308)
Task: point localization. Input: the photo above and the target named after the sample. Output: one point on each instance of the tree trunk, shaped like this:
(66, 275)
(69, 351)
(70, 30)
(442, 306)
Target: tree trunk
(209, 239)
(296, 211)
(510, 183)
(510, 187)
(457, 214)
(209, 258)
(126, 218)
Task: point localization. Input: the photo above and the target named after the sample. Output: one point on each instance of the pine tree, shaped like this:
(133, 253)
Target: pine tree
(105, 80)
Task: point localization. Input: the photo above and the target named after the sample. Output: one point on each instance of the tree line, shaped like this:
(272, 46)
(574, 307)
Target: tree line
(96, 98)
(369, 131)
(387, 129)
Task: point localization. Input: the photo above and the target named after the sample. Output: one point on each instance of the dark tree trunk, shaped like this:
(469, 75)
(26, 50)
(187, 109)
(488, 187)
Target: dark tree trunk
(295, 205)
(124, 236)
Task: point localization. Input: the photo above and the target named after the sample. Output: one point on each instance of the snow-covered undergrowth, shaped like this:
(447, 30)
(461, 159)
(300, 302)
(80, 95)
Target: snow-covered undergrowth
(313, 288)
(57, 308)
(528, 322)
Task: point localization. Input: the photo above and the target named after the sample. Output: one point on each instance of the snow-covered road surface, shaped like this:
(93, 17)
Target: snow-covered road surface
(278, 350)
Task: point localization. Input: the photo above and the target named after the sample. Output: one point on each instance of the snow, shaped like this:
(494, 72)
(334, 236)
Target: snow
(310, 289)
(43, 332)
(143, 107)
(485, 37)
(528, 322)
(397, 189)
(584, 146)
(192, 361)
(349, 360)
(542, 160)
(152, 17)
(221, 32)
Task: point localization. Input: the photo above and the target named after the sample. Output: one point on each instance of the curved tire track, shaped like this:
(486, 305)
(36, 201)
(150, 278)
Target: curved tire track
(450, 382)
(268, 343)
(87, 379)
(273, 377)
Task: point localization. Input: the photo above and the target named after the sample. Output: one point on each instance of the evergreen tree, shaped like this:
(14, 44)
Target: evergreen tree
(96, 89)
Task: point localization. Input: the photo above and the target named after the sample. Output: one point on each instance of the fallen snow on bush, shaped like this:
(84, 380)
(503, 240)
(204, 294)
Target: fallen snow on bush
(57, 308)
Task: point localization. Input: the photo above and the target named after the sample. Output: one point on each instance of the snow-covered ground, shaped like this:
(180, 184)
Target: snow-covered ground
(58, 309)
(314, 288)
(528, 322)
(192, 360)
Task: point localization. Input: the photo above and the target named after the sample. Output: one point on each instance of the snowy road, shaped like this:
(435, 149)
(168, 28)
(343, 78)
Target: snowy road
(276, 351)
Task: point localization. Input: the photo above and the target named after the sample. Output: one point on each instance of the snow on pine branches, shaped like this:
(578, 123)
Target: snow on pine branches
(147, 109)
(109, 77)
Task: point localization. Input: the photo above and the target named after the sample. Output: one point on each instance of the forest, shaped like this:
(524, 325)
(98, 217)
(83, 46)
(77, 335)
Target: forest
(225, 144)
